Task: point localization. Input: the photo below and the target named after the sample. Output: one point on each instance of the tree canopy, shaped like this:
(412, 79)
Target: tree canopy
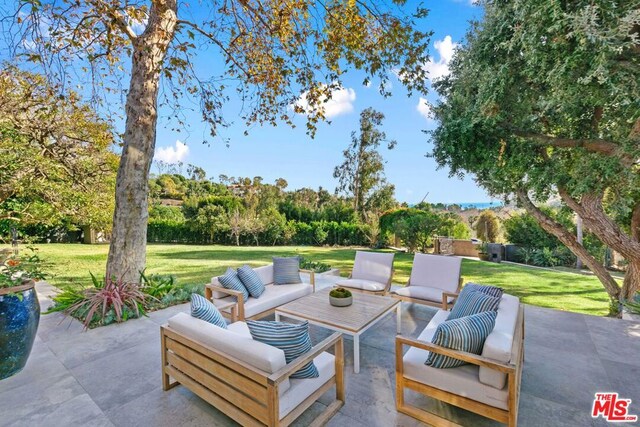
(56, 163)
(277, 57)
(544, 99)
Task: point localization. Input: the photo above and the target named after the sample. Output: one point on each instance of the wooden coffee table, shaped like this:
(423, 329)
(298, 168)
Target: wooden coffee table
(354, 320)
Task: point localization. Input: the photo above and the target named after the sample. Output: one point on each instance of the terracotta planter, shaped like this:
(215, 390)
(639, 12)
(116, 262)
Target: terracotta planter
(19, 318)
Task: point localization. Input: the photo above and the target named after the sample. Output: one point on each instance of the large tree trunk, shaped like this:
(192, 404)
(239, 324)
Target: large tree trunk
(599, 223)
(127, 252)
(569, 240)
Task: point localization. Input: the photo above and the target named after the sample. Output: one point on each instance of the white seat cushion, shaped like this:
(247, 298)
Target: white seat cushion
(274, 296)
(436, 271)
(374, 266)
(499, 343)
(300, 389)
(462, 380)
(367, 285)
(422, 292)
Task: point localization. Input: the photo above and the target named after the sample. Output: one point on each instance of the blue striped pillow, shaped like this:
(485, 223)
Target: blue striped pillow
(293, 339)
(286, 270)
(466, 334)
(493, 291)
(203, 309)
(251, 281)
(230, 280)
(473, 302)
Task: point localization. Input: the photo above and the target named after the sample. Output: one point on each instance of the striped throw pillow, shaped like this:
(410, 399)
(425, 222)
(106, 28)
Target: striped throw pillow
(293, 339)
(493, 291)
(473, 302)
(203, 309)
(466, 334)
(286, 270)
(251, 281)
(230, 280)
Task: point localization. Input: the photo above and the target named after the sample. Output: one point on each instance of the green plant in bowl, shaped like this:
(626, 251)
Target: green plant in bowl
(340, 293)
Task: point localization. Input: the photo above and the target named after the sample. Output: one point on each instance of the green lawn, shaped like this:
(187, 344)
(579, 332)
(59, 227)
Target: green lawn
(71, 264)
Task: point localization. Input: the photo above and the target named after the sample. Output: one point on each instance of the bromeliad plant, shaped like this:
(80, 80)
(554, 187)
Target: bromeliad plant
(107, 301)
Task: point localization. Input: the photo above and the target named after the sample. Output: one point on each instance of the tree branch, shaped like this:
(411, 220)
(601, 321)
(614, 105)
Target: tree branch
(568, 239)
(599, 146)
(595, 218)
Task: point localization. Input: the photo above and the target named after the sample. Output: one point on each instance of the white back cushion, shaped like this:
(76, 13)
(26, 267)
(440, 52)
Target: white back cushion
(499, 343)
(265, 273)
(374, 266)
(257, 354)
(436, 271)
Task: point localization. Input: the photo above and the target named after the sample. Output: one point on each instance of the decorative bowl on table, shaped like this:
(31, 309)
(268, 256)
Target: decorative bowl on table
(340, 297)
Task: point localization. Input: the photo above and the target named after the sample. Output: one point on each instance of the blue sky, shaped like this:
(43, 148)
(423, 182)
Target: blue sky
(304, 162)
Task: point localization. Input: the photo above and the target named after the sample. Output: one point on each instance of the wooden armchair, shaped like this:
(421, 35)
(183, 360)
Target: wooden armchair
(501, 405)
(249, 395)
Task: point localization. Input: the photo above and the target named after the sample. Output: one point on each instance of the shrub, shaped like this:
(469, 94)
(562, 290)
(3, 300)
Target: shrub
(108, 301)
(318, 267)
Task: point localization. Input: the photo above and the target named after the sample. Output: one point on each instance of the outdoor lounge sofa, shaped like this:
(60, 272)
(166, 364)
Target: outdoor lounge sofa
(435, 280)
(247, 379)
(372, 272)
(256, 308)
(488, 385)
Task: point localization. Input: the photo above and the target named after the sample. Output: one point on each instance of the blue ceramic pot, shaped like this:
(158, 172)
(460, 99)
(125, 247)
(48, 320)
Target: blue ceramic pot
(19, 318)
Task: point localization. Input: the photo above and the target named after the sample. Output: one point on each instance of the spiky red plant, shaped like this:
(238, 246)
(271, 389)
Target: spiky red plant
(111, 294)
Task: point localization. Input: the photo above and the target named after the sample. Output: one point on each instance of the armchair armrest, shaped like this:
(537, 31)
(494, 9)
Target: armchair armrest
(474, 359)
(208, 293)
(312, 277)
(334, 340)
(445, 296)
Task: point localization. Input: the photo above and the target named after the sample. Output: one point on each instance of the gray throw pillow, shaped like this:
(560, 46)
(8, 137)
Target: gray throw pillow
(286, 270)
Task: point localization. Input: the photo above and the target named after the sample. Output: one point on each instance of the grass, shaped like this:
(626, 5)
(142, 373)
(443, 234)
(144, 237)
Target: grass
(71, 264)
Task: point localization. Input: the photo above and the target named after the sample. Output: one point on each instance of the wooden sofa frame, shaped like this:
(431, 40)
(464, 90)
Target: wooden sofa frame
(383, 292)
(236, 312)
(513, 371)
(444, 304)
(244, 393)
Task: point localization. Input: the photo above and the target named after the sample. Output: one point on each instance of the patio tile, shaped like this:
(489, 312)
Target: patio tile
(57, 325)
(607, 334)
(79, 411)
(563, 376)
(624, 380)
(115, 379)
(75, 349)
(38, 398)
(533, 409)
(42, 365)
(160, 317)
(165, 408)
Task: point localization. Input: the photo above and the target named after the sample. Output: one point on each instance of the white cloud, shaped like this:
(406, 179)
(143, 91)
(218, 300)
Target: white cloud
(440, 68)
(424, 108)
(172, 154)
(341, 102)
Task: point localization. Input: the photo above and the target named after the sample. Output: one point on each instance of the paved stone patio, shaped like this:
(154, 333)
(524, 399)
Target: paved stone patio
(110, 376)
